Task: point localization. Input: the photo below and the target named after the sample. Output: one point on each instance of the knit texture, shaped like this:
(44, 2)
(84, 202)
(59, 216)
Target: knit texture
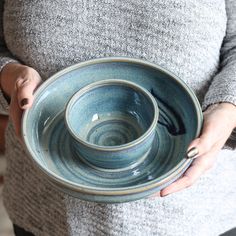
(196, 40)
(5, 58)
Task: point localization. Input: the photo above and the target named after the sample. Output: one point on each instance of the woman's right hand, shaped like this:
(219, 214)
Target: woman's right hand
(19, 82)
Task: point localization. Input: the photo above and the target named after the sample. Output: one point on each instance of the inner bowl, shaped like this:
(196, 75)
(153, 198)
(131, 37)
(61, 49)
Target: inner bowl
(112, 122)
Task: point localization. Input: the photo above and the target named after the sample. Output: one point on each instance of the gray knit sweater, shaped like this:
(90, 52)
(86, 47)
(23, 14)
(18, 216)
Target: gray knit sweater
(194, 39)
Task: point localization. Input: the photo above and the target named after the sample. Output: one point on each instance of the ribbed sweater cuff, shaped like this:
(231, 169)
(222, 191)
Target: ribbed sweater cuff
(218, 99)
(4, 107)
(6, 60)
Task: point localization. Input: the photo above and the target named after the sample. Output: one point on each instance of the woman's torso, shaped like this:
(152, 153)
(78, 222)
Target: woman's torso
(184, 36)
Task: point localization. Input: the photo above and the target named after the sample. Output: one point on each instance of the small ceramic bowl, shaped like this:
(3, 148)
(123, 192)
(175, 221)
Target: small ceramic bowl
(112, 123)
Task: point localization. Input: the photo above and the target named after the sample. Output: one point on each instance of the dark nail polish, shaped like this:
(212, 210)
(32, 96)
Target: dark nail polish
(161, 195)
(24, 102)
(192, 153)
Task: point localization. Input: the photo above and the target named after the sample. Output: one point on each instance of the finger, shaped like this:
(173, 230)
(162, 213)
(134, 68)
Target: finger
(190, 176)
(25, 89)
(200, 146)
(15, 114)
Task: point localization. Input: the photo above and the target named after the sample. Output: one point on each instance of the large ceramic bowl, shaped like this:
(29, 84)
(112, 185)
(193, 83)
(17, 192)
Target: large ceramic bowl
(49, 143)
(112, 123)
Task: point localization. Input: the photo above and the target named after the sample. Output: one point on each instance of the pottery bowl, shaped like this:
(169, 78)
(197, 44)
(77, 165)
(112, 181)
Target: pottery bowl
(48, 141)
(113, 123)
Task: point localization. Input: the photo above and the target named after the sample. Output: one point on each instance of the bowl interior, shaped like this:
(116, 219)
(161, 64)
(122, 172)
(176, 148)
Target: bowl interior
(179, 122)
(110, 113)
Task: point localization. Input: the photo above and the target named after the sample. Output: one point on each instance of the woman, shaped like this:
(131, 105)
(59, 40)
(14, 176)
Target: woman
(194, 39)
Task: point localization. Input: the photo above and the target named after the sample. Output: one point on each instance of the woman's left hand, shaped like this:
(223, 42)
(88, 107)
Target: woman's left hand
(219, 122)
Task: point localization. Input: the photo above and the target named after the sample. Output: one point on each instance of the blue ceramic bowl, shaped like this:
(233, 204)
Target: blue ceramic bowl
(49, 142)
(113, 123)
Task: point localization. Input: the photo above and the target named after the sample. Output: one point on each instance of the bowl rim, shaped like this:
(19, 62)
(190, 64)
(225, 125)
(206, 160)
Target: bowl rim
(116, 148)
(171, 174)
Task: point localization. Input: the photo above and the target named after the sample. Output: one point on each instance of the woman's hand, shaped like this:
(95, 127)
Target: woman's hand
(19, 82)
(219, 122)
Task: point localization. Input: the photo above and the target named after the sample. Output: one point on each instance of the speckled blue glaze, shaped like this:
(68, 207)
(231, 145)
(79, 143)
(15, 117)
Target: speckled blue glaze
(48, 142)
(112, 123)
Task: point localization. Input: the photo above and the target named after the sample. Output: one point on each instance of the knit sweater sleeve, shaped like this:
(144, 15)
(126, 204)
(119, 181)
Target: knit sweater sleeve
(5, 58)
(223, 86)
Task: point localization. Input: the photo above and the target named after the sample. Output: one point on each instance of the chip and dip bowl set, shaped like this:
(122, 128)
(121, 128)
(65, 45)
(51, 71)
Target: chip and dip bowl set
(112, 130)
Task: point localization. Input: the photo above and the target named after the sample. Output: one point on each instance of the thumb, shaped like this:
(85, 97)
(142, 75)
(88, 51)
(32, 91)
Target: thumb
(25, 89)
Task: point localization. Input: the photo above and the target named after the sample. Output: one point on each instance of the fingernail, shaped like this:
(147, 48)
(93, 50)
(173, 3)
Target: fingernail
(24, 102)
(192, 153)
(164, 195)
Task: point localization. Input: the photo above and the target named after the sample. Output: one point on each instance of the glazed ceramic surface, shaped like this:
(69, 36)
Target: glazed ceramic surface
(49, 142)
(112, 123)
